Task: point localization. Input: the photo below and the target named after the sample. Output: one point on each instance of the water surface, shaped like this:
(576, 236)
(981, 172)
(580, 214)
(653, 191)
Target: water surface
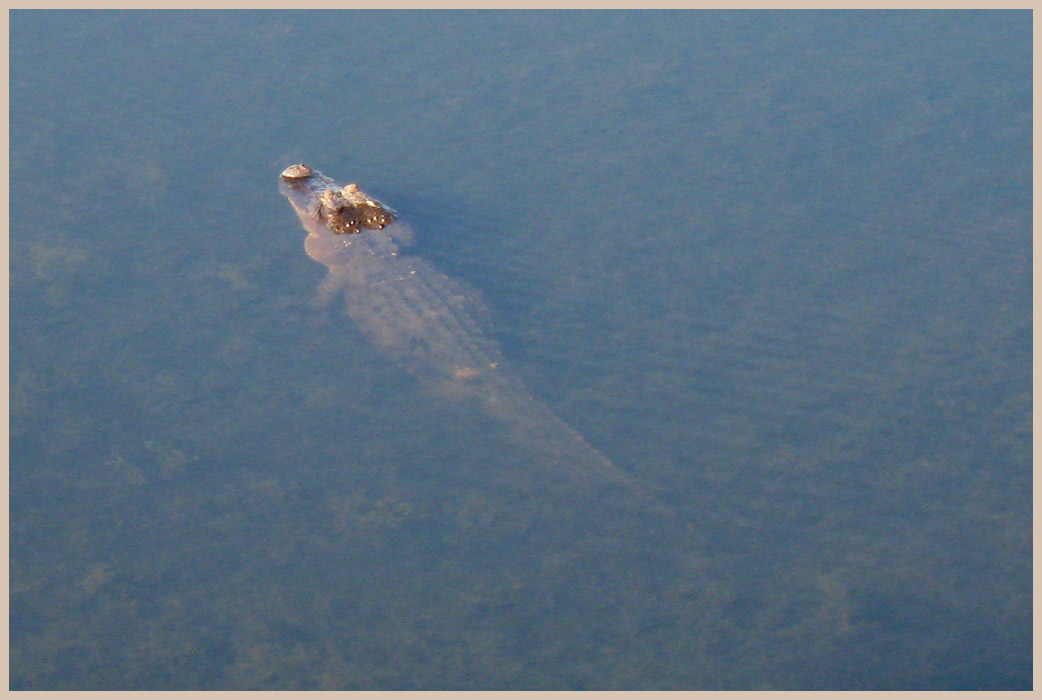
(774, 266)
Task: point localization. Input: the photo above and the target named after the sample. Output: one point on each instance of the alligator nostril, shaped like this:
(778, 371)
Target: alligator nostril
(295, 172)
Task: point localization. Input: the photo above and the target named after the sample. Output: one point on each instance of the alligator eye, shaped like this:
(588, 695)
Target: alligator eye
(296, 172)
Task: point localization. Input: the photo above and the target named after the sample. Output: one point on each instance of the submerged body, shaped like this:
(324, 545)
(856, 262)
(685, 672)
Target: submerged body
(430, 325)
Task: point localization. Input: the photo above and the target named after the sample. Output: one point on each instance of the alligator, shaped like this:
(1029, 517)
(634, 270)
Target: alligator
(434, 327)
